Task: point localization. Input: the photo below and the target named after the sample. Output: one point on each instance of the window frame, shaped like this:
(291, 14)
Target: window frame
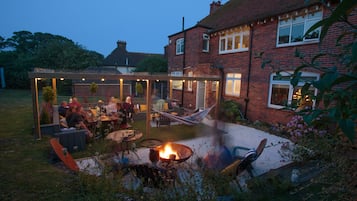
(307, 20)
(180, 46)
(227, 42)
(237, 77)
(291, 89)
(205, 43)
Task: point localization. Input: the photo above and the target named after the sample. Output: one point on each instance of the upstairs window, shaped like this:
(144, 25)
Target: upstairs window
(180, 46)
(233, 84)
(236, 41)
(283, 94)
(291, 30)
(205, 43)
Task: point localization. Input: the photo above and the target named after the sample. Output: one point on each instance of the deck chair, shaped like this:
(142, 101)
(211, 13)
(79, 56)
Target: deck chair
(244, 162)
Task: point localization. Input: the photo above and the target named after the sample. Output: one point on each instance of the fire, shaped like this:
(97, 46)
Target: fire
(167, 151)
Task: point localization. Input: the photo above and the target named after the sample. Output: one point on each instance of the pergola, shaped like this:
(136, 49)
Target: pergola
(102, 76)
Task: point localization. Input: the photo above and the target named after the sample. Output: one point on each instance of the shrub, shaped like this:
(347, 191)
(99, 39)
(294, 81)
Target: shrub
(230, 111)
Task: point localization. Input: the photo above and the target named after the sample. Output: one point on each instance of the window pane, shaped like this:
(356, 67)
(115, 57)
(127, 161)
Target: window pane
(205, 45)
(314, 34)
(229, 43)
(229, 87)
(237, 87)
(245, 40)
(223, 44)
(284, 33)
(297, 32)
(279, 94)
(237, 42)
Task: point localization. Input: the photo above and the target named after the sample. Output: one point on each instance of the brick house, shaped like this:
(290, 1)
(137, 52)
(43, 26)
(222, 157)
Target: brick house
(119, 61)
(226, 43)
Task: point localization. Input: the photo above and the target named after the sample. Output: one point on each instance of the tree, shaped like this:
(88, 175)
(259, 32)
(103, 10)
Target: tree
(23, 51)
(152, 64)
(337, 89)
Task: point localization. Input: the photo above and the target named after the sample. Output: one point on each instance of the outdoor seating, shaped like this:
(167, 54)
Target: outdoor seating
(244, 162)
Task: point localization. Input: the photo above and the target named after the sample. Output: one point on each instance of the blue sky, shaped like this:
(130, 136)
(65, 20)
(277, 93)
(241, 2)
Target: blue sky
(97, 25)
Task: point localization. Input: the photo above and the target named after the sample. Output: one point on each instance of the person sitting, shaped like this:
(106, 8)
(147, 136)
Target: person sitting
(62, 109)
(75, 119)
(111, 108)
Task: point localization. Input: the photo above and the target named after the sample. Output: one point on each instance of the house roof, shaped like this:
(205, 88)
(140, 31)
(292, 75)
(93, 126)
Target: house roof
(121, 57)
(242, 12)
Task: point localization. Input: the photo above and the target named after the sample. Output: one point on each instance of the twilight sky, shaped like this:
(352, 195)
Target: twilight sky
(97, 25)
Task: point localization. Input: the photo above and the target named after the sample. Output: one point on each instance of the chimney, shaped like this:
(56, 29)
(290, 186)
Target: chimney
(121, 44)
(214, 6)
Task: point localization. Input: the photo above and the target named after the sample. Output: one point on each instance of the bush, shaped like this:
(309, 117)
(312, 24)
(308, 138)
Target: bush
(230, 111)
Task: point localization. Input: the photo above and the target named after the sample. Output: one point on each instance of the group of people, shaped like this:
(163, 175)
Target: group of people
(72, 114)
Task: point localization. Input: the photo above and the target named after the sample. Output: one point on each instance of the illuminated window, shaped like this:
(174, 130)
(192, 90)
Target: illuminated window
(233, 84)
(283, 94)
(234, 42)
(177, 84)
(180, 46)
(291, 30)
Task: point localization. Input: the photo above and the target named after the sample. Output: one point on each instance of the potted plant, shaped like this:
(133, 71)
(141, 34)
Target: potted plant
(46, 114)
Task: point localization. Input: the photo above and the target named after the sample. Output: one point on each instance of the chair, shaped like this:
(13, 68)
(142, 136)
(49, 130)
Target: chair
(244, 162)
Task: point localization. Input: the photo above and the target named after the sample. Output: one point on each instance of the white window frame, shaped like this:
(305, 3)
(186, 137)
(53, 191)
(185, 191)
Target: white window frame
(180, 46)
(227, 42)
(205, 43)
(236, 79)
(177, 84)
(307, 20)
(286, 83)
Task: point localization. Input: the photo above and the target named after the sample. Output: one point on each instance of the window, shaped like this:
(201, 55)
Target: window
(233, 83)
(177, 84)
(282, 93)
(234, 42)
(189, 83)
(291, 30)
(205, 43)
(180, 46)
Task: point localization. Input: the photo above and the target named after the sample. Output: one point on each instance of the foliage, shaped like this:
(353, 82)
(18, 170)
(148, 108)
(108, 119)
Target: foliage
(337, 85)
(93, 88)
(24, 51)
(139, 89)
(297, 127)
(230, 111)
(48, 94)
(152, 64)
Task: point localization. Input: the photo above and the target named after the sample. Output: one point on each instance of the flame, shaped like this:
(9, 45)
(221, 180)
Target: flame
(167, 151)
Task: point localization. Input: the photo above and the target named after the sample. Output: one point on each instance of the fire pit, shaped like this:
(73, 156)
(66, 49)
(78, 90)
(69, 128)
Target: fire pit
(174, 152)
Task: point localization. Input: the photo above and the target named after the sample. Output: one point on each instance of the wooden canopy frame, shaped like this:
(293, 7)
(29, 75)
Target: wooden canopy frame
(36, 76)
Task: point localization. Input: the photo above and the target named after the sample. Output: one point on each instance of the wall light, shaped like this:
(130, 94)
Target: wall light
(62, 78)
(83, 79)
(102, 79)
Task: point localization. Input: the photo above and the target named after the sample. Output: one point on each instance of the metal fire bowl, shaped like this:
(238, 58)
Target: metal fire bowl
(183, 152)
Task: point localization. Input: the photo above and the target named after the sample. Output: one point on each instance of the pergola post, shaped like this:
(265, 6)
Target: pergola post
(121, 88)
(35, 108)
(148, 102)
(54, 88)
